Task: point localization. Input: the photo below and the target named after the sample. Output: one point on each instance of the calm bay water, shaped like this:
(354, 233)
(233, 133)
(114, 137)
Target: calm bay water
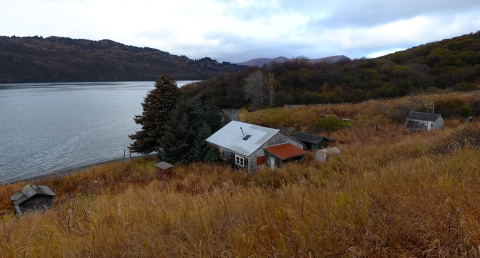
(50, 127)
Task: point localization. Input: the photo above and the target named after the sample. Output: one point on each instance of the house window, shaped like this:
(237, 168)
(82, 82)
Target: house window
(240, 161)
(223, 154)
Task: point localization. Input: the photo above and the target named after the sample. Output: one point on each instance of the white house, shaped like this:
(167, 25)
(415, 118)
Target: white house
(427, 121)
(243, 145)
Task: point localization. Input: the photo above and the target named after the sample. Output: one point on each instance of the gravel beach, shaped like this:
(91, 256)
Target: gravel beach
(74, 169)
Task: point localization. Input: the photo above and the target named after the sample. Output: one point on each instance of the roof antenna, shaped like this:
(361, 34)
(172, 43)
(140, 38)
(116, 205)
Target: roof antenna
(241, 129)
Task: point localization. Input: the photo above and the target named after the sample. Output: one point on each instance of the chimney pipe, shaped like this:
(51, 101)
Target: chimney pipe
(241, 129)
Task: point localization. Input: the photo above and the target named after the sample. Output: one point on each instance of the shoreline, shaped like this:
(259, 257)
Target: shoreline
(71, 170)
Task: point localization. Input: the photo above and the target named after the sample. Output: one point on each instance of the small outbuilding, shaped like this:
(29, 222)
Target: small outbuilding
(312, 142)
(428, 121)
(32, 198)
(468, 119)
(164, 169)
(278, 154)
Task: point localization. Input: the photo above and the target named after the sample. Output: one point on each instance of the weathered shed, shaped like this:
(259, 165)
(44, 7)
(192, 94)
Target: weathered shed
(428, 121)
(312, 142)
(164, 169)
(278, 154)
(32, 198)
(468, 119)
(242, 145)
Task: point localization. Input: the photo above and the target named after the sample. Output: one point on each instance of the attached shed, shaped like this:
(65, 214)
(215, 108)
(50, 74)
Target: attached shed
(32, 198)
(242, 145)
(164, 169)
(279, 154)
(312, 142)
(428, 121)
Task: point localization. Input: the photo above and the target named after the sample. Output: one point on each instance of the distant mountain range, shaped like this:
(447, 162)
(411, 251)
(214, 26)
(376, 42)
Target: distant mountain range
(59, 59)
(261, 61)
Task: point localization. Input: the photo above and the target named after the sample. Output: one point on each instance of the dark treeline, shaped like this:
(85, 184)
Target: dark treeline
(60, 59)
(447, 64)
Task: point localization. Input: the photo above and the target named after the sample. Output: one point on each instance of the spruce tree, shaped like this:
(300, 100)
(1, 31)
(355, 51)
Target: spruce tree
(200, 146)
(185, 132)
(213, 117)
(212, 155)
(179, 133)
(176, 141)
(157, 107)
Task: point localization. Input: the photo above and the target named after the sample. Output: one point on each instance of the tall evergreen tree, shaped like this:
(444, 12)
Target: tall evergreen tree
(179, 133)
(176, 141)
(200, 146)
(185, 132)
(157, 106)
(211, 155)
(213, 117)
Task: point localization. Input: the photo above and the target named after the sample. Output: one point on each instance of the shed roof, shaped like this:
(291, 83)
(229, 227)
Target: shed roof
(285, 151)
(242, 138)
(163, 165)
(310, 138)
(423, 116)
(30, 191)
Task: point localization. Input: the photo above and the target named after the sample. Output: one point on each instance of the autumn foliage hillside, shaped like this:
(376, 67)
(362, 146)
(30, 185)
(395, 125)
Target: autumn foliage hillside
(390, 193)
(449, 64)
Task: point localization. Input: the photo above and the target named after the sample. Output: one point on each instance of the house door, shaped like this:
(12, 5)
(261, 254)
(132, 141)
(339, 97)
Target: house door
(271, 163)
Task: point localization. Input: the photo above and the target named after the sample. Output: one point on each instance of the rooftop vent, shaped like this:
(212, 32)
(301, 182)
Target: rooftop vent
(246, 137)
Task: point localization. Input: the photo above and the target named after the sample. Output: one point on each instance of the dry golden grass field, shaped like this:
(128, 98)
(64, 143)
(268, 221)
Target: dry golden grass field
(390, 193)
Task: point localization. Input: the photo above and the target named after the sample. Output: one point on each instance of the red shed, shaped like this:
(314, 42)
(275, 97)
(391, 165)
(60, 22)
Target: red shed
(279, 154)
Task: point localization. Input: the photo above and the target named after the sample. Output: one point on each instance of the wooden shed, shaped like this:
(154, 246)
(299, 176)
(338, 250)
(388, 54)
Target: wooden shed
(278, 154)
(164, 169)
(312, 142)
(32, 198)
(428, 121)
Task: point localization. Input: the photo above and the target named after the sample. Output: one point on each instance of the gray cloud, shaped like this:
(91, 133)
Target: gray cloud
(239, 30)
(378, 12)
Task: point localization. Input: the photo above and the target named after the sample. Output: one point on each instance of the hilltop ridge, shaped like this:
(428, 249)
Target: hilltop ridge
(55, 59)
(262, 61)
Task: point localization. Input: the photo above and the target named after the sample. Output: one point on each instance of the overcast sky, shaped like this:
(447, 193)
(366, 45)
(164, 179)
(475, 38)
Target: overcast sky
(237, 31)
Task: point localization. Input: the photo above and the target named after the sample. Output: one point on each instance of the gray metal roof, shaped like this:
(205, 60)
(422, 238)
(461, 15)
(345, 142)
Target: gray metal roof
(242, 138)
(423, 116)
(29, 191)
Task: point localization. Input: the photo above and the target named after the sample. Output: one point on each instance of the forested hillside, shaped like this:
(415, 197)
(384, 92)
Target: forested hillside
(448, 64)
(53, 59)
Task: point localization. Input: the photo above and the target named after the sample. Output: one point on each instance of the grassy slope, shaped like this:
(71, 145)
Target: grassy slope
(389, 193)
